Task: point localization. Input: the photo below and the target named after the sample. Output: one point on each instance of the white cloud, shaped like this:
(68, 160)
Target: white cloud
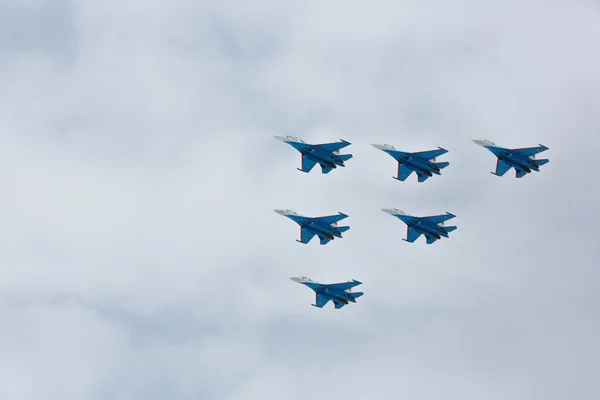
(140, 254)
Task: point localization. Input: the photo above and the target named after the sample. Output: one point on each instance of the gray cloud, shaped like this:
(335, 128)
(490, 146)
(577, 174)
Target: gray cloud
(140, 255)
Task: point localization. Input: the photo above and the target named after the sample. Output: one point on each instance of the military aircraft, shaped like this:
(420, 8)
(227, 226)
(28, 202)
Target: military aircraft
(522, 160)
(339, 293)
(324, 227)
(432, 227)
(422, 162)
(327, 155)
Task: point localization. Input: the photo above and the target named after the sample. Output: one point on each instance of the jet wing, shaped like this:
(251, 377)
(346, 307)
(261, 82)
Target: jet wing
(344, 286)
(530, 151)
(411, 235)
(437, 219)
(305, 235)
(320, 300)
(403, 172)
(307, 164)
(332, 147)
(430, 154)
(331, 219)
(501, 167)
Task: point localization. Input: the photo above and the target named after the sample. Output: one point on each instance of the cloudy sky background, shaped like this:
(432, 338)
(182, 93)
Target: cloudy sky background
(140, 256)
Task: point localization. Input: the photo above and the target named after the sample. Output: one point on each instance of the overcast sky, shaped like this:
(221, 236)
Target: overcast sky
(140, 255)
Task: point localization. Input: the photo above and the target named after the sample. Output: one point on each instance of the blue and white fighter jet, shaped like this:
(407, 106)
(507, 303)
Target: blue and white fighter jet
(327, 155)
(522, 160)
(339, 293)
(422, 162)
(432, 227)
(325, 228)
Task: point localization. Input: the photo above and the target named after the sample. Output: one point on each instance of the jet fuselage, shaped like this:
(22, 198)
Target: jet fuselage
(514, 159)
(317, 227)
(315, 154)
(424, 227)
(417, 164)
(339, 295)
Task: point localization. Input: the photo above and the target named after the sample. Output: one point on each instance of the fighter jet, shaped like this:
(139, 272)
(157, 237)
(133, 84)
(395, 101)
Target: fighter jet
(327, 154)
(324, 227)
(339, 293)
(422, 162)
(432, 227)
(522, 160)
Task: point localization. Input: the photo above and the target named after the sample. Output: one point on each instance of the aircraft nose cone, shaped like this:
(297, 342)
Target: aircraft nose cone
(280, 212)
(480, 142)
(388, 210)
(282, 138)
(296, 279)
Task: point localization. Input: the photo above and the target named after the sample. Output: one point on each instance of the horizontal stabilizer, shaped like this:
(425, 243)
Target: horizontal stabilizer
(450, 228)
(326, 169)
(520, 173)
(357, 294)
(342, 229)
(441, 165)
(338, 305)
(323, 240)
(541, 162)
(422, 177)
(430, 239)
(345, 157)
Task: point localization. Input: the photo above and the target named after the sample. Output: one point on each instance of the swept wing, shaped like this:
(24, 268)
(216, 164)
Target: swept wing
(344, 286)
(437, 219)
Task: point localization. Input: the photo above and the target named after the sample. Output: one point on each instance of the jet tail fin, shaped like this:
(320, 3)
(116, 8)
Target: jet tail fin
(441, 165)
(345, 157)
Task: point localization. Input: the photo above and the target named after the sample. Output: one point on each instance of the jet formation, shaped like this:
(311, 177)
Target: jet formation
(424, 164)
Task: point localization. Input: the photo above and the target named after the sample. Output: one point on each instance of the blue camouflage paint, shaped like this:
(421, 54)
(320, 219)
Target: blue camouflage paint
(324, 227)
(431, 227)
(522, 159)
(419, 162)
(326, 154)
(338, 293)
